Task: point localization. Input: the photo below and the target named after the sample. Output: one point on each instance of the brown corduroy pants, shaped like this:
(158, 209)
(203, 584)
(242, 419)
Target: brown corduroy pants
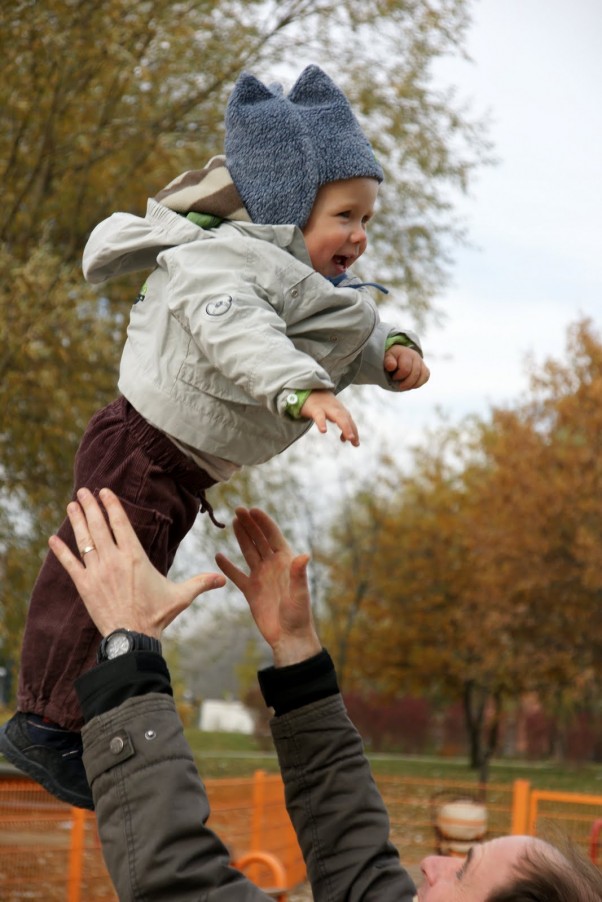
(161, 490)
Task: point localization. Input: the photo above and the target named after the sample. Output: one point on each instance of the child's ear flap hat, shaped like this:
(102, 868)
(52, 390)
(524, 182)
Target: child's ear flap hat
(281, 149)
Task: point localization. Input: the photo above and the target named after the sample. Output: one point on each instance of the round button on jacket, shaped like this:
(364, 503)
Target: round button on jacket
(116, 745)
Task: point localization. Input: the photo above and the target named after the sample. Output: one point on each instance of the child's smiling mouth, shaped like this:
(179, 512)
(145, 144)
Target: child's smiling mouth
(341, 262)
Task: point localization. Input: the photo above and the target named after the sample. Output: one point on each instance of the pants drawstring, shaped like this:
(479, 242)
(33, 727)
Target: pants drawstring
(207, 508)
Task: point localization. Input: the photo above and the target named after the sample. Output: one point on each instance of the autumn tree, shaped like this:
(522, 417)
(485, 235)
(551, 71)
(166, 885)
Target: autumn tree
(485, 580)
(104, 101)
(540, 524)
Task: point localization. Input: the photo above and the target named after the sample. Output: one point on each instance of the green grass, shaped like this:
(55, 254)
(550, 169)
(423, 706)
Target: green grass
(230, 754)
(234, 755)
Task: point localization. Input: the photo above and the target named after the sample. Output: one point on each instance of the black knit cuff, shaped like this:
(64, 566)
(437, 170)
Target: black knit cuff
(287, 688)
(112, 682)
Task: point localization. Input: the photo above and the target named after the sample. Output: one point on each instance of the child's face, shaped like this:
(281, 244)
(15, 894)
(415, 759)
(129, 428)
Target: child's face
(335, 233)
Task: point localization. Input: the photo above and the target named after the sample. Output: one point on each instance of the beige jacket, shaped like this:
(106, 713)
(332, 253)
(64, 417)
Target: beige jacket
(230, 321)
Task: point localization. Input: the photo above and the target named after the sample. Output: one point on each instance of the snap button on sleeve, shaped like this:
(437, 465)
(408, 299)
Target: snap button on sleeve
(120, 747)
(110, 751)
(116, 745)
(292, 398)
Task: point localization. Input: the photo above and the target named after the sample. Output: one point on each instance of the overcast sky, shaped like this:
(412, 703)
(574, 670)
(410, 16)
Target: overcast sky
(535, 219)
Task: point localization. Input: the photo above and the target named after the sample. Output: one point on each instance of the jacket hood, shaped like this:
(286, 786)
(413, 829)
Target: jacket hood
(126, 243)
(208, 190)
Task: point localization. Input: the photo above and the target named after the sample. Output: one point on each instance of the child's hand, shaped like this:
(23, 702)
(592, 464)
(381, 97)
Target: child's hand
(321, 406)
(406, 367)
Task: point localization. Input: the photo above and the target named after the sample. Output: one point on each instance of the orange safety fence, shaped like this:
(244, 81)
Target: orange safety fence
(594, 838)
(572, 814)
(249, 815)
(49, 851)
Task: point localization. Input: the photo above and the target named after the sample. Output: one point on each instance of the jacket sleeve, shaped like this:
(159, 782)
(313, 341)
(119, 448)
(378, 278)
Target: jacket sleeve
(371, 370)
(337, 811)
(152, 809)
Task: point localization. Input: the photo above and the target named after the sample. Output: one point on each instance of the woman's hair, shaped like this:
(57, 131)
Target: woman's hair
(564, 876)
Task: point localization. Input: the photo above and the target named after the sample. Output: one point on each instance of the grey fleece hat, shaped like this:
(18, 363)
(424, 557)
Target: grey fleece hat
(281, 149)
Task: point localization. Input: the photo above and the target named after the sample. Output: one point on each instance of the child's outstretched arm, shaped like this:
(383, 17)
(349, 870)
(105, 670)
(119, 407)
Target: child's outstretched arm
(406, 367)
(323, 406)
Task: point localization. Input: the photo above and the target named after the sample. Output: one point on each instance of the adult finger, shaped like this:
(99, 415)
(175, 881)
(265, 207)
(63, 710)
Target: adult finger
(199, 584)
(67, 559)
(299, 583)
(125, 535)
(254, 531)
(81, 530)
(269, 529)
(187, 591)
(96, 522)
(232, 572)
(248, 548)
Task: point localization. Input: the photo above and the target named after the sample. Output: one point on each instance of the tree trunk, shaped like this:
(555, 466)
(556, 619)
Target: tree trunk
(474, 700)
(493, 734)
(482, 742)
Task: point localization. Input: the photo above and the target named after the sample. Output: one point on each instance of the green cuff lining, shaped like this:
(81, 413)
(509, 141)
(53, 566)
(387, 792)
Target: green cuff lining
(295, 401)
(401, 339)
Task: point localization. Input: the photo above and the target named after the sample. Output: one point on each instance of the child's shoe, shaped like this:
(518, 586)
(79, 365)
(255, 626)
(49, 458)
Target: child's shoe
(49, 754)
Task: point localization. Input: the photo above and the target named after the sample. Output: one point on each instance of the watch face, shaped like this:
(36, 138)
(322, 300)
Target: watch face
(117, 645)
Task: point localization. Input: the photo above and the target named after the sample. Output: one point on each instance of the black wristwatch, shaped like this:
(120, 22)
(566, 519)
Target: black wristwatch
(122, 641)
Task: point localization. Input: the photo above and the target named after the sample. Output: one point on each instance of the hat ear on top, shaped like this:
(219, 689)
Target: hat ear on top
(267, 153)
(315, 88)
(281, 149)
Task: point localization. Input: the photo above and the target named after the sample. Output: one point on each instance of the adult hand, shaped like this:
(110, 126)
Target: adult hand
(275, 588)
(116, 581)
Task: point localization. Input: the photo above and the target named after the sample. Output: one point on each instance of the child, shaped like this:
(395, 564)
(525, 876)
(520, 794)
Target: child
(246, 329)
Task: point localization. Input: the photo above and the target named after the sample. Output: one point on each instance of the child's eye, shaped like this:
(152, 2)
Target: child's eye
(345, 214)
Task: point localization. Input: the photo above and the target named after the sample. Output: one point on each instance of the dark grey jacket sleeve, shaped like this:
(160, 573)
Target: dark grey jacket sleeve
(152, 808)
(337, 811)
